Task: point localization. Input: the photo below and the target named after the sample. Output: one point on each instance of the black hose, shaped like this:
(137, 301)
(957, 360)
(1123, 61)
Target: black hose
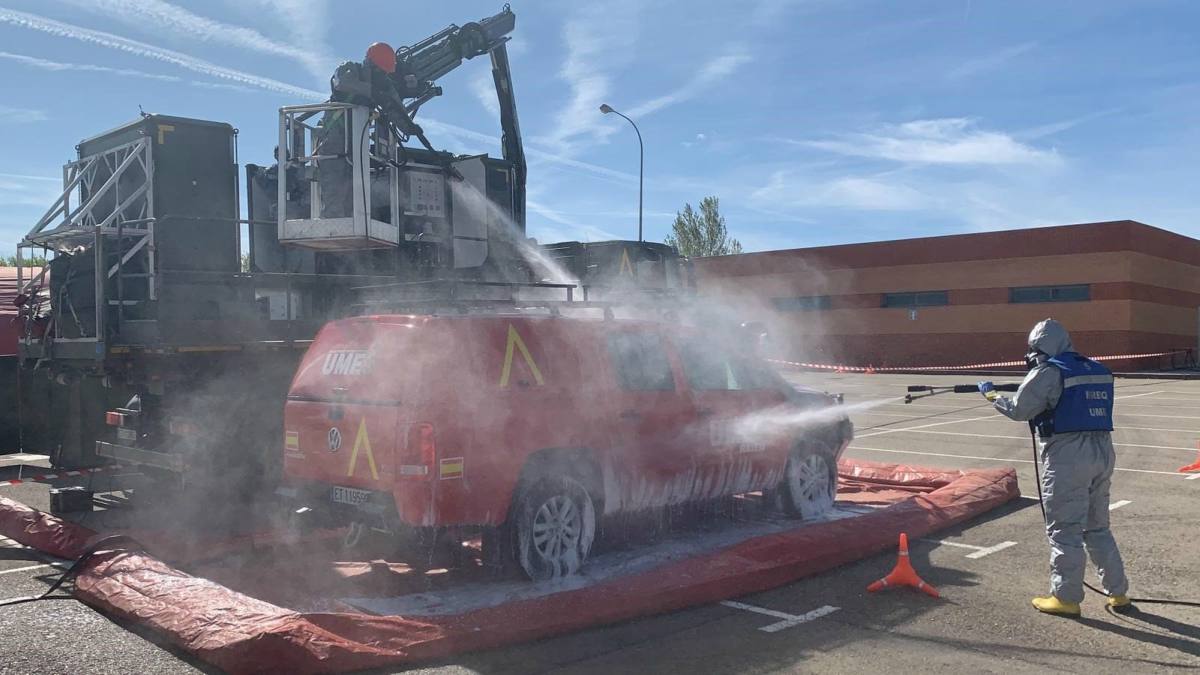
(74, 569)
(1042, 504)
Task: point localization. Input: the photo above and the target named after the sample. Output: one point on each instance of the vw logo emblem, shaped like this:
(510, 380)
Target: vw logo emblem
(335, 439)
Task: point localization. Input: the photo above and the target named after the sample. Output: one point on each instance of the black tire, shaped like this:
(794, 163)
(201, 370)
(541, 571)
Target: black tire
(554, 523)
(809, 484)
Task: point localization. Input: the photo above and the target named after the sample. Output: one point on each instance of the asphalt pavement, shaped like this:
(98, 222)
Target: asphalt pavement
(987, 571)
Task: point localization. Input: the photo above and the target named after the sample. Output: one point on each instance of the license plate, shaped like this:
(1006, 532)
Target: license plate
(127, 435)
(350, 496)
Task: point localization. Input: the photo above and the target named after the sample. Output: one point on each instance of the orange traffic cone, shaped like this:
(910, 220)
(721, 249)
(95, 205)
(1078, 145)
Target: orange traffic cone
(903, 574)
(1191, 468)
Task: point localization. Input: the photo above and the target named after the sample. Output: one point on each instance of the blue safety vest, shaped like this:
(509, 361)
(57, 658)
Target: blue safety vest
(1086, 400)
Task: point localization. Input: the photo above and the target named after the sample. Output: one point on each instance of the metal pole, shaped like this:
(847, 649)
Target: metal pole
(641, 161)
(641, 176)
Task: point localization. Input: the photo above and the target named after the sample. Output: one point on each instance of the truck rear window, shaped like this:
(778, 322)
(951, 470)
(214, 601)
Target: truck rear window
(640, 361)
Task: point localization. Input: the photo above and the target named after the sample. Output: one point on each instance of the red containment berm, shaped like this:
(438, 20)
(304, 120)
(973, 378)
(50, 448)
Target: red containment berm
(242, 634)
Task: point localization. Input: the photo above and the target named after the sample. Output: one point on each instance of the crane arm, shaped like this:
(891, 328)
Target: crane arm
(418, 67)
(401, 93)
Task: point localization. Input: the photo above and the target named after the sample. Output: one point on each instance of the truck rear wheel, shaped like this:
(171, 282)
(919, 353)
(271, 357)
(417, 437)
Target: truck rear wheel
(809, 484)
(555, 523)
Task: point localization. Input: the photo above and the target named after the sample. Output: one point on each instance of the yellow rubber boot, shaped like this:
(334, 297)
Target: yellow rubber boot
(1120, 603)
(1052, 605)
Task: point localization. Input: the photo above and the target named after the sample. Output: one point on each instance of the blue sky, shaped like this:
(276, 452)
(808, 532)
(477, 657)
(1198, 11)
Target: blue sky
(815, 121)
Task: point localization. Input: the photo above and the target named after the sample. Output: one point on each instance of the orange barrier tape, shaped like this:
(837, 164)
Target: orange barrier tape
(972, 366)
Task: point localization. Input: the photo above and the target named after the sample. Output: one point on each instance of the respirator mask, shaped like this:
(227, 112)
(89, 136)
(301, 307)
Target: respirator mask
(1035, 358)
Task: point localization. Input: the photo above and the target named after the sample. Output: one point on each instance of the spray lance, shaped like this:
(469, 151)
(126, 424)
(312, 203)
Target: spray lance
(927, 391)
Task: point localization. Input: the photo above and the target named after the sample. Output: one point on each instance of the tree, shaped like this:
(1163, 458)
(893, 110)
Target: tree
(698, 234)
(11, 261)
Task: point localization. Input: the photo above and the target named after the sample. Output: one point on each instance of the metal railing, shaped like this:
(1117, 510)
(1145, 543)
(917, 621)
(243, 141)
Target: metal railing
(107, 200)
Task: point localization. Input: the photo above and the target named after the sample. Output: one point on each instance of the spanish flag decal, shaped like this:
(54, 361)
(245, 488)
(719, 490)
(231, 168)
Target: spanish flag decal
(451, 467)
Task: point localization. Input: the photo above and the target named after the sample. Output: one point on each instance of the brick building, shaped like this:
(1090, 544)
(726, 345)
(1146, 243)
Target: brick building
(1120, 287)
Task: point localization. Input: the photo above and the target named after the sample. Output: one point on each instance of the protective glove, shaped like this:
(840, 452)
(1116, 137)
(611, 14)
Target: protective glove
(988, 390)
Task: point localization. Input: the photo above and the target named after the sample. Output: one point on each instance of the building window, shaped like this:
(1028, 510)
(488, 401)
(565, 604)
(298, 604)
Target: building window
(916, 299)
(802, 303)
(1075, 293)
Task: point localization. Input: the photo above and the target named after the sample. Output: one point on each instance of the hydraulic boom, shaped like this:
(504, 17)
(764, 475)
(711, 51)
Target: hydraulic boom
(398, 88)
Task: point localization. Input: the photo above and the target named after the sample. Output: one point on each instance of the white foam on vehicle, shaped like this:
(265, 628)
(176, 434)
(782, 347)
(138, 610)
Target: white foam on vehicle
(598, 569)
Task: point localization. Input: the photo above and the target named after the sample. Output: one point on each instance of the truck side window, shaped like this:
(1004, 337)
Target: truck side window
(641, 361)
(754, 374)
(709, 368)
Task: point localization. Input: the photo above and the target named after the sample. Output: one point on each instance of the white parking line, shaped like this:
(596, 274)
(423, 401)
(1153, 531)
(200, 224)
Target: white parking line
(1193, 476)
(1000, 419)
(916, 405)
(979, 551)
(918, 430)
(991, 549)
(1005, 461)
(926, 426)
(789, 620)
(34, 567)
(1116, 505)
(1155, 405)
(1148, 393)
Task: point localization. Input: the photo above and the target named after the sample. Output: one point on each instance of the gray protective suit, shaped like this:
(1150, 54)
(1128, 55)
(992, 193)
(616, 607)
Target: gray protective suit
(1077, 469)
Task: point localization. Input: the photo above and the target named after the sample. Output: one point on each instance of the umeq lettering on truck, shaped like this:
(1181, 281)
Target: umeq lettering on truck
(346, 362)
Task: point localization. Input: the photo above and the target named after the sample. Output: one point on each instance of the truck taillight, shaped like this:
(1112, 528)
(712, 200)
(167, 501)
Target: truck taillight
(420, 452)
(114, 419)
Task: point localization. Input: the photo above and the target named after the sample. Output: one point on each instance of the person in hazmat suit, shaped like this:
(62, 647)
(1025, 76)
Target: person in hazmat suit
(1068, 399)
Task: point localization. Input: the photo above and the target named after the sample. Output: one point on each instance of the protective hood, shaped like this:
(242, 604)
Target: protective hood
(1049, 337)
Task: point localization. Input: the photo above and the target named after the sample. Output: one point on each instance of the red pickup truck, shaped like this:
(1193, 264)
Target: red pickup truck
(533, 428)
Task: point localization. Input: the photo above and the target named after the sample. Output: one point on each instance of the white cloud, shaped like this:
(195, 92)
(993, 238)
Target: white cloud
(601, 40)
(307, 23)
(598, 38)
(1061, 126)
(103, 39)
(578, 230)
(221, 85)
(21, 115)
(715, 70)
(58, 66)
(937, 141)
(789, 190)
(111, 41)
(33, 192)
(23, 176)
(433, 126)
(992, 61)
(160, 17)
(484, 89)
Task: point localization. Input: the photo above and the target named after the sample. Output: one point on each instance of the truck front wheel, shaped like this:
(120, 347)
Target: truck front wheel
(555, 523)
(809, 484)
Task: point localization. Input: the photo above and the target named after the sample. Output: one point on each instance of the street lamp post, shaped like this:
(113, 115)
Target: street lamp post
(606, 108)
